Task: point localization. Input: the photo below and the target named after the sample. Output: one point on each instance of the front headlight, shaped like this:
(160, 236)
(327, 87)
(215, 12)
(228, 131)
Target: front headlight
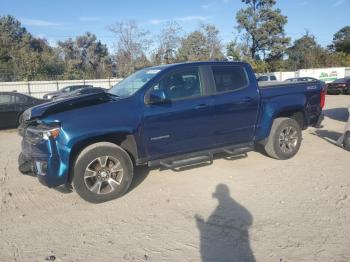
(43, 132)
(50, 133)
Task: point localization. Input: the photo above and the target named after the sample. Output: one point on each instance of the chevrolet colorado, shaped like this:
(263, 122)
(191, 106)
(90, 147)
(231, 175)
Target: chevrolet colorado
(170, 115)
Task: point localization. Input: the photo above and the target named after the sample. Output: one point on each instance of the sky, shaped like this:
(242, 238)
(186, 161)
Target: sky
(61, 19)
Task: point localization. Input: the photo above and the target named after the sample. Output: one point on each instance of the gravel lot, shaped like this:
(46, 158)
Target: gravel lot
(248, 207)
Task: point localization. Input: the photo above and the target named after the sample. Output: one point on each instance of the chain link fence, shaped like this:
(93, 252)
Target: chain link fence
(39, 88)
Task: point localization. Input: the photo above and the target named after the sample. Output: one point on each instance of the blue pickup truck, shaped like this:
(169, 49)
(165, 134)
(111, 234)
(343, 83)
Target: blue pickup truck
(170, 115)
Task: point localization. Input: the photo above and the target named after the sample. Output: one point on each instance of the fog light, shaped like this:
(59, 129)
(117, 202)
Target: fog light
(40, 168)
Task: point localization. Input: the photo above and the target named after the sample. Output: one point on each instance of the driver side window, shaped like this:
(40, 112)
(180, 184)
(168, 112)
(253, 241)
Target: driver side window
(180, 84)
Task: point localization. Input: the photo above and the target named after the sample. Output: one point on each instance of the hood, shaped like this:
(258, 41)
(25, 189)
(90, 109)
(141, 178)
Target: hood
(67, 104)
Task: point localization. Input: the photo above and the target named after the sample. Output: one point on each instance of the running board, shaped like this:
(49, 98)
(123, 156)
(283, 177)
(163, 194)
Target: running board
(237, 151)
(199, 157)
(188, 161)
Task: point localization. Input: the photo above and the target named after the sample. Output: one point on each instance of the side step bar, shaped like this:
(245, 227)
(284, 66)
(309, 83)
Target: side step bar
(199, 157)
(188, 161)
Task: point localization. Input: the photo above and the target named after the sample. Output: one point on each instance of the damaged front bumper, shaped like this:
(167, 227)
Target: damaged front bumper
(42, 158)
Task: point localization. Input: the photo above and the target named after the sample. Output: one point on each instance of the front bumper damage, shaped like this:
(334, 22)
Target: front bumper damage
(43, 160)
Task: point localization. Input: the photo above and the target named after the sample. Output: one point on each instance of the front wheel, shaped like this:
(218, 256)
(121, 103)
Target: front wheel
(284, 139)
(102, 172)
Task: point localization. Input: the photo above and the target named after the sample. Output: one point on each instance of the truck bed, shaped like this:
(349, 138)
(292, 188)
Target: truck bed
(276, 84)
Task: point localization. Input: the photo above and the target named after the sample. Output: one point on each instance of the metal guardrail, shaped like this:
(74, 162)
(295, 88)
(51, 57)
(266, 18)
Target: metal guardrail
(39, 88)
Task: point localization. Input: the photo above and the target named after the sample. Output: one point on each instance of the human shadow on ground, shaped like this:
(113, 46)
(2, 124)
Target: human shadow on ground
(339, 114)
(224, 235)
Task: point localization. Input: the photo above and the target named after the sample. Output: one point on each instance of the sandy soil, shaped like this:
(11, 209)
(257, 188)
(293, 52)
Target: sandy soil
(235, 209)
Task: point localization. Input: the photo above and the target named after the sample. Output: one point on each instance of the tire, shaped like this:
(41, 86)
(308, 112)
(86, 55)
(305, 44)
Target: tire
(283, 144)
(346, 142)
(347, 92)
(102, 172)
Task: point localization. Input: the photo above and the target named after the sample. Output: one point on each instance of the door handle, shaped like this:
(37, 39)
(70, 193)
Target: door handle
(247, 100)
(201, 106)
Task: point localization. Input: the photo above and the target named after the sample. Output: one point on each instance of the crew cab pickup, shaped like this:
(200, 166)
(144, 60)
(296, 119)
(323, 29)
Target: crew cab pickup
(170, 115)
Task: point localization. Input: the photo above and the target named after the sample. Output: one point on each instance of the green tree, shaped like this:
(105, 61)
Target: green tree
(233, 51)
(263, 27)
(333, 59)
(22, 56)
(213, 42)
(200, 45)
(169, 41)
(85, 57)
(193, 47)
(341, 40)
(132, 44)
(305, 53)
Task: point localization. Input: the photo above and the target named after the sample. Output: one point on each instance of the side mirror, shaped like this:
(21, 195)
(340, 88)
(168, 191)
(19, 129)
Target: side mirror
(157, 97)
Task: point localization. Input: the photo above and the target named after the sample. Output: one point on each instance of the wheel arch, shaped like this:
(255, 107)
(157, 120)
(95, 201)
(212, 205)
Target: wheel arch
(123, 139)
(297, 113)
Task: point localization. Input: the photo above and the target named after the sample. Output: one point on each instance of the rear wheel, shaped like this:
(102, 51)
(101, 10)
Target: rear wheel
(284, 139)
(102, 172)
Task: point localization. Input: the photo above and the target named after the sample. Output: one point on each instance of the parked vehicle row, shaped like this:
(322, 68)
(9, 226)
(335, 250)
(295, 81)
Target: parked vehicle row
(301, 79)
(81, 91)
(13, 104)
(64, 91)
(339, 86)
(170, 115)
(266, 78)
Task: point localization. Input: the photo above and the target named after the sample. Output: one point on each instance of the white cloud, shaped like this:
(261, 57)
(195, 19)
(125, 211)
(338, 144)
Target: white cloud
(339, 2)
(88, 18)
(205, 6)
(36, 22)
(179, 19)
(157, 21)
(192, 18)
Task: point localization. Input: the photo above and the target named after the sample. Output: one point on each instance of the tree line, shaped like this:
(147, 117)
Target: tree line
(260, 40)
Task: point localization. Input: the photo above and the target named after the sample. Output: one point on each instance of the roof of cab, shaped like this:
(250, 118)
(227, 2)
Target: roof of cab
(161, 67)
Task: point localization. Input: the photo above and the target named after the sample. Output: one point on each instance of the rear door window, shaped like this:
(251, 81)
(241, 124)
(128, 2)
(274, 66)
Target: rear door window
(229, 78)
(20, 99)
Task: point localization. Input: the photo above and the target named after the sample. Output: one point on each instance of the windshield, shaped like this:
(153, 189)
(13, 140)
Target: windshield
(133, 83)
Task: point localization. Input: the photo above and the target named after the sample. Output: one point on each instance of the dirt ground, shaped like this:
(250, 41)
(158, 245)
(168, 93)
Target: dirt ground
(237, 209)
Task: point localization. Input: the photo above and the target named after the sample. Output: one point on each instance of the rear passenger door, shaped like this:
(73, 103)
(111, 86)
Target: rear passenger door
(236, 104)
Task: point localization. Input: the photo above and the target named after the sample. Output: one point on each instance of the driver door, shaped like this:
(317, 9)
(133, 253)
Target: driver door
(184, 123)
